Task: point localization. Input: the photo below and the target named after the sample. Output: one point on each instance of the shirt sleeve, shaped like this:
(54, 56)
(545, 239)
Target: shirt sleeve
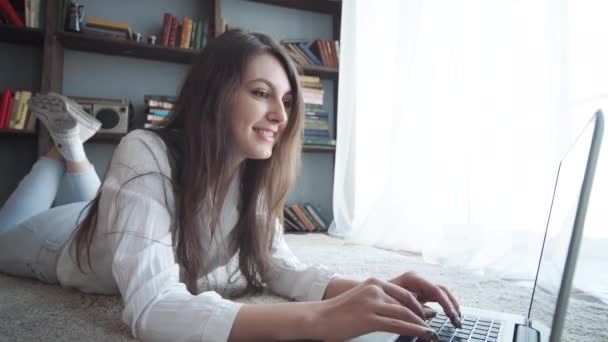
(288, 277)
(157, 306)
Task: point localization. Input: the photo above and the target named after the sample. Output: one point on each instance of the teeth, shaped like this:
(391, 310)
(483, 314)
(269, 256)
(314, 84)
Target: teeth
(265, 133)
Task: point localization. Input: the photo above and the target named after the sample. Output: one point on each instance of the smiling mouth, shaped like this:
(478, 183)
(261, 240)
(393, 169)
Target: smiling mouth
(265, 133)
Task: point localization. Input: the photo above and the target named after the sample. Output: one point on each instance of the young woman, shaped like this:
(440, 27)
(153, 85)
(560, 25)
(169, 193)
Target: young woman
(180, 201)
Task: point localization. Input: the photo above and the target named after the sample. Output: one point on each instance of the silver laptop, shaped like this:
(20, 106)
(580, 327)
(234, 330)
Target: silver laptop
(544, 320)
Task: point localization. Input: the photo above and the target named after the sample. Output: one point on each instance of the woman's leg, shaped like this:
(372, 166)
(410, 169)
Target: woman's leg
(32, 248)
(79, 183)
(36, 191)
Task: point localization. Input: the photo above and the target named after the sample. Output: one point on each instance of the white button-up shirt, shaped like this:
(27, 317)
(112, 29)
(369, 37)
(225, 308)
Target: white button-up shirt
(132, 253)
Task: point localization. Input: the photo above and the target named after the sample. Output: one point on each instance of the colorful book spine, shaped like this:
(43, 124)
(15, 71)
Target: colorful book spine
(159, 112)
(302, 216)
(22, 109)
(317, 217)
(6, 108)
(173, 32)
(198, 37)
(319, 141)
(10, 13)
(166, 30)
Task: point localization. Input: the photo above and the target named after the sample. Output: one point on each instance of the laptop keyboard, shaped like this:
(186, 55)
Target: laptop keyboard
(474, 329)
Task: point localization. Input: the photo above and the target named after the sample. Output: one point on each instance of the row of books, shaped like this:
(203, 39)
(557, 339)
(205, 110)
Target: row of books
(189, 33)
(14, 112)
(303, 218)
(21, 13)
(320, 52)
(316, 119)
(157, 109)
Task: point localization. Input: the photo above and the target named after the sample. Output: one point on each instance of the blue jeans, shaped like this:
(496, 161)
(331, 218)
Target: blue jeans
(32, 231)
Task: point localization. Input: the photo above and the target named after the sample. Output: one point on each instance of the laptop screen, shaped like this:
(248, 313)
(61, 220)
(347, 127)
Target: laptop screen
(560, 230)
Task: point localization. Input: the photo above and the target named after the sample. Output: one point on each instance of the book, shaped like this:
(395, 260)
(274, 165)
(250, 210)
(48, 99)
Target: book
(319, 141)
(311, 107)
(5, 106)
(159, 112)
(316, 133)
(22, 109)
(193, 33)
(198, 36)
(30, 122)
(310, 79)
(9, 12)
(296, 56)
(182, 36)
(34, 13)
(304, 60)
(101, 32)
(317, 48)
(311, 85)
(173, 32)
(316, 124)
(316, 216)
(159, 99)
(15, 110)
(109, 25)
(28, 13)
(293, 217)
(166, 29)
(291, 225)
(332, 52)
(304, 46)
(318, 228)
(302, 216)
(337, 45)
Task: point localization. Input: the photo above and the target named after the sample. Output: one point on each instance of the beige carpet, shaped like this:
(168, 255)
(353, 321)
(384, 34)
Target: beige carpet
(32, 311)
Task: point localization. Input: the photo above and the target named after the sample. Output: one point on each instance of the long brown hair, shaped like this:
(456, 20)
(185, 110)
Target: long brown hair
(198, 141)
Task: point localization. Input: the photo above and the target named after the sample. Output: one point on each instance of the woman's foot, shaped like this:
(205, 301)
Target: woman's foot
(68, 124)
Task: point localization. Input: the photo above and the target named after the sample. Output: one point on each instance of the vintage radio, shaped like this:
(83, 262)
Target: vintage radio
(112, 113)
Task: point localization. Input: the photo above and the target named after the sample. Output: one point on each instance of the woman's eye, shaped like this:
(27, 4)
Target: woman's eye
(261, 93)
(287, 104)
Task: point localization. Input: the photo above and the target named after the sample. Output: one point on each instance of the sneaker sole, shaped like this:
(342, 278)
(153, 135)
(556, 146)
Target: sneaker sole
(76, 111)
(57, 104)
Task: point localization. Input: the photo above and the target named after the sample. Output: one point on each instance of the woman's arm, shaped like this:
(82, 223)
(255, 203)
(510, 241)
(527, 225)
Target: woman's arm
(281, 321)
(370, 306)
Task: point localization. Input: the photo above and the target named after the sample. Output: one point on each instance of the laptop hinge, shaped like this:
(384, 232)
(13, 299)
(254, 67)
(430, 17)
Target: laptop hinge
(525, 333)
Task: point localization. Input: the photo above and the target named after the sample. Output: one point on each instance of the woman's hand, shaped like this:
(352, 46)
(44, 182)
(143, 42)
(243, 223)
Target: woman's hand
(425, 291)
(373, 305)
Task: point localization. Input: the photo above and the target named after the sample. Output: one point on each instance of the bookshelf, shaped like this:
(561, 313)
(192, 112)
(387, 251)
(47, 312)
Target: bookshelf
(8, 132)
(58, 50)
(126, 48)
(323, 6)
(21, 35)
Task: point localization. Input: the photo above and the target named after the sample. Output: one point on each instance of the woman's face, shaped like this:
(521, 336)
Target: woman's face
(258, 114)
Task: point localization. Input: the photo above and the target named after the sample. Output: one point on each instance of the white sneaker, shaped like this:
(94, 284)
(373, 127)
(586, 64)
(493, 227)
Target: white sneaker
(56, 112)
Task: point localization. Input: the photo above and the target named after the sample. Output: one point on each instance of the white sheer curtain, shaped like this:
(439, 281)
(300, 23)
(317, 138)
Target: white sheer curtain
(453, 116)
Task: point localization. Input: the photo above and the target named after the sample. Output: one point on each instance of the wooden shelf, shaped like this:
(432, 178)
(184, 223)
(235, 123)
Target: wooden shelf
(127, 48)
(321, 71)
(16, 133)
(319, 148)
(21, 35)
(323, 6)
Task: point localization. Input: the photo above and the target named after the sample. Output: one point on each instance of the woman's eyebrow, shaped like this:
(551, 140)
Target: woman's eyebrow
(270, 84)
